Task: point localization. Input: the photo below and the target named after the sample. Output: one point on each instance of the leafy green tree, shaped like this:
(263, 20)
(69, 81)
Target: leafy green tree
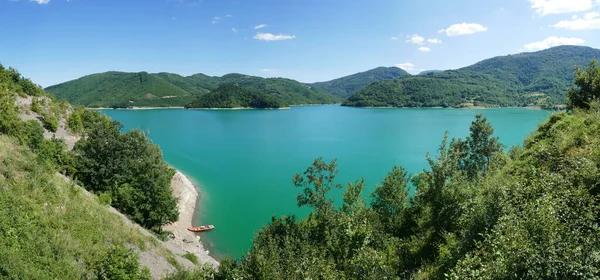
(588, 87)
(477, 150)
(391, 203)
(316, 182)
(130, 168)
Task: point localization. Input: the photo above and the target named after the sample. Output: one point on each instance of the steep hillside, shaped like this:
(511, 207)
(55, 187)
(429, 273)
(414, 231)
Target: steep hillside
(347, 86)
(56, 219)
(118, 89)
(538, 78)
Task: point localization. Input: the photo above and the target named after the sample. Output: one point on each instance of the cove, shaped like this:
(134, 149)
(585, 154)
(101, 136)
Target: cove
(243, 161)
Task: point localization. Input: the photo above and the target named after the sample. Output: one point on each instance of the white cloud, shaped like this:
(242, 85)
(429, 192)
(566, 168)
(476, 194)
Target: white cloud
(434, 41)
(260, 26)
(272, 37)
(234, 30)
(267, 70)
(229, 16)
(41, 2)
(463, 29)
(553, 41)
(589, 21)
(394, 38)
(416, 39)
(546, 7)
(424, 49)
(405, 66)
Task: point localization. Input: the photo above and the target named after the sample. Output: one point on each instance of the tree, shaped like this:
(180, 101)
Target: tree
(131, 169)
(588, 87)
(391, 200)
(316, 182)
(476, 152)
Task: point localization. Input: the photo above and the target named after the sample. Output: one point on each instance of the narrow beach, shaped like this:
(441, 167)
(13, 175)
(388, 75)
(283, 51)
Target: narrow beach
(187, 194)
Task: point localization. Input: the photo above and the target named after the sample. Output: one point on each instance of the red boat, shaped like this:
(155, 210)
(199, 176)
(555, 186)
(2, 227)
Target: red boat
(201, 228)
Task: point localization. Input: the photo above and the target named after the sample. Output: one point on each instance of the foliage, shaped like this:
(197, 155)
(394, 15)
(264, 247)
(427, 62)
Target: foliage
(50, 122)
(75, 123)
(588, 87)
(50, 229)
(538, 78)
(231, 96)
(131, 169)
(120, 263)
(349, 85)
(122, 90)
(12, 81)
(476, 212)
(191, 257)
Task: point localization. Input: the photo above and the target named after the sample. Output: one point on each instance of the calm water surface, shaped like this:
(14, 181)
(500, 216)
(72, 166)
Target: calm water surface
(244, 160)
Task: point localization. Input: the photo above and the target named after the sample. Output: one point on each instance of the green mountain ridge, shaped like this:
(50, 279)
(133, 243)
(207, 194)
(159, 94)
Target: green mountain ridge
(120, 89)
(536, 78)
(347, 86)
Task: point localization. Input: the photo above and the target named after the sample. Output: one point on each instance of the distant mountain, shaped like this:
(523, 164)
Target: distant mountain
(539, 78)
(347, 86)
(290, 91)
(118, 89)
(430, 71)
(232, 96)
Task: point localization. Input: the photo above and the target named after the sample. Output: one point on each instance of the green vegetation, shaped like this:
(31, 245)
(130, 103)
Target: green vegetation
(231, 96)
(539, 78)
(123, 90)
(131, 170)
(588, 87)
(477, 212)
(347, 86)
(49, 227)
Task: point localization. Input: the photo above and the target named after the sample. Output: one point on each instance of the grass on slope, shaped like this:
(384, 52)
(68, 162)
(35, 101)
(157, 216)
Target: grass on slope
(50, 228)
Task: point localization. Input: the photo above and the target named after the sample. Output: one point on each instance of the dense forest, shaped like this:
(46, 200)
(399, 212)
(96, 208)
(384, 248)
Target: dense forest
(123, 90)
(232, 96)
(349, 85)
(538, 78)
(477, 212)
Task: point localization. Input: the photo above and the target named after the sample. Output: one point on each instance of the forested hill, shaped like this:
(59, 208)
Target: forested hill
(232, 96)
(347, 86)
(119, 89)
(538, 78)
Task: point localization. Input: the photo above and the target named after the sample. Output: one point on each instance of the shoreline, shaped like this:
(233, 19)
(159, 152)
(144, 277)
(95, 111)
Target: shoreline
(135, 108)
(188, 197)
(239, 108)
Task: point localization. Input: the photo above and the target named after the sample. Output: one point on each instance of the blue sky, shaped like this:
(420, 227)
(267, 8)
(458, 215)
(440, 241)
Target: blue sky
(52, 41)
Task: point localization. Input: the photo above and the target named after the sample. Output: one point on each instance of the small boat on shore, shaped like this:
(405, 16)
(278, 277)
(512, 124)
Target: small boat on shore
(201, 228)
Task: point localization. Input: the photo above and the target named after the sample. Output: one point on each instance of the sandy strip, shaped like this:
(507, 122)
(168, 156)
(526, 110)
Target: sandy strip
(187, 194)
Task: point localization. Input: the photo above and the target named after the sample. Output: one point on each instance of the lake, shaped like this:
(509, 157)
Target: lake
(244, 160)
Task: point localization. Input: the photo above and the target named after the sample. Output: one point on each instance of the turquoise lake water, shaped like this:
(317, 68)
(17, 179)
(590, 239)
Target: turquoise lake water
(244, 160)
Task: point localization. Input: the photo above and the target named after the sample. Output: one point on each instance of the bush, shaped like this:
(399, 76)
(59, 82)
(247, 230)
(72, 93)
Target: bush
(50, 123)
(75, 123)
(120, 263)
(193, 258)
